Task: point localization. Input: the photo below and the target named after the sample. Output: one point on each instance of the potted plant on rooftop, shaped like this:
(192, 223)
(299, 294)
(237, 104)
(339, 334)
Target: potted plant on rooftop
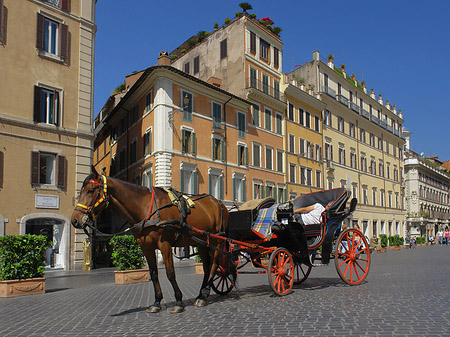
(22, 267)
(127, 256)
(245, 6)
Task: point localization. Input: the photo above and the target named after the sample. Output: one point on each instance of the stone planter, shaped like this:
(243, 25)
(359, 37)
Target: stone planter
(199, 268)
(382, 250)
(131, 276)
(395, 247)
(31, 286)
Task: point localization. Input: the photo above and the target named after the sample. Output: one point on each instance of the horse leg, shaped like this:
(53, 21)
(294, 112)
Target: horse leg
(209, 259)
(166, 251)
(153, 267)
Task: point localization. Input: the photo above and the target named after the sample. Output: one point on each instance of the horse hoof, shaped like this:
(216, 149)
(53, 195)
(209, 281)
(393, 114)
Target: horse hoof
(177, 309)
(154, 309)
(200, 302)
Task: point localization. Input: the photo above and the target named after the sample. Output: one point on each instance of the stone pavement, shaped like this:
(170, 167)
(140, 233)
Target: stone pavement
(407, 293)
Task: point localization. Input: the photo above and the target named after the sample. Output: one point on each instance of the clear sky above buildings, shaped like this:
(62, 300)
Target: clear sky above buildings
(400, 48)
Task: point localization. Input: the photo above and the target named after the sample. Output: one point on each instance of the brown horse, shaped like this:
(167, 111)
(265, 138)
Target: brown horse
(137, 204)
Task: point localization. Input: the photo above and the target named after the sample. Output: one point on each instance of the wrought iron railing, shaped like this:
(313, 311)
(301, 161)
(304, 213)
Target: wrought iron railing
(330, 92)
(355, 107)
(365, 113)
(343, 100)
(264, 87)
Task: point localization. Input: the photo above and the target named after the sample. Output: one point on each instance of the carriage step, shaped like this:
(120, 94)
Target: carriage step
(320, 264)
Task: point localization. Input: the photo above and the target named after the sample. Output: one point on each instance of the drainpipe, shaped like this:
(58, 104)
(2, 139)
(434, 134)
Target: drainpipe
(225, 147)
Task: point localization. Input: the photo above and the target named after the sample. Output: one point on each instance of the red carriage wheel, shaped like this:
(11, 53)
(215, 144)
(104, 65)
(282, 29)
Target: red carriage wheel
(281, 271)
(352, 257)
(223, 281)
(301, 272)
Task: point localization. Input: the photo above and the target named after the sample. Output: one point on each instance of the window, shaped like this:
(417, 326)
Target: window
(196, 65)
(291, 112)
(241, 124)
(374, 196)
(388, 170)
(48, 169)
(279, 124)
(353, 159)
(387, 147)
(218, 149)
(148, 102)
(328, 118)
(239, 188)
(292, 170)
(318, 153)
(302, 149)
(217, 115)
(380, 143)
(255, 114)
(382, 198)
(341, 124)
(390, 199)
(363, 163)
(282, 194)
(123, 126)
(362, 135)
(381, 168)
(215, 183)
(253, 78)
(242, 155)
(351, 130)
(373, 166)
(187, 109)
(3, 20)
(328, 151)
(186, 67)
(372, 140)
(308, 119)
(276, 89)
(188, 142)
(341, 155)
(279, 160)
(252, 43)
(223, 49)
(317, 123)
(62, 4)
(112, 166)
(189, 179)
(301, 116)
(395, 173)
(123, 159)
(264, 49)
(147, 179)
(265, 83)
(268, 119)
(318, 179)
(270, 191)
(365, 198)
(133, 152)
(258, 190)
(256, 155)
(52, 37)
(46, 105)
(276, 57)
(269, 158)
(309, 150)
(147, 142)
(134, 114)
(137, 179)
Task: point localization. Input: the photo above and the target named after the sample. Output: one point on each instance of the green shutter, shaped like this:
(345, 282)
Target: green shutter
(209, 184)
(285, 194)
(193, 144)
(246, 156)
(195, 182)
(221, 187)
(222, 150)
(182, 181)
(262, 191)
(212, 149)
(244, 191)
(267, 191)
(234, 189)
(183, 141)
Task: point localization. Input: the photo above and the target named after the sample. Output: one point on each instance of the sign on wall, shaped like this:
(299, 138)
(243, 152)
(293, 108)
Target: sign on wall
(47, 201)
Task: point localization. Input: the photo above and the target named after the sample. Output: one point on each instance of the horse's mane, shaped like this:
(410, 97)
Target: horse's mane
(87, 179)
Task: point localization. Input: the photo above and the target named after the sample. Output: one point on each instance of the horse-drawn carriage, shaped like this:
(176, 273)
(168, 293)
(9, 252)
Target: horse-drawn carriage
(250, 229)
(228, 241)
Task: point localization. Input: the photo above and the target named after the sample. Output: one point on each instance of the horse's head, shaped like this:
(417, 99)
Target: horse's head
(92, 200)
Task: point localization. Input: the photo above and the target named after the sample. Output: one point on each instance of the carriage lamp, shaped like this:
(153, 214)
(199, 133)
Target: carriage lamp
(186, 101)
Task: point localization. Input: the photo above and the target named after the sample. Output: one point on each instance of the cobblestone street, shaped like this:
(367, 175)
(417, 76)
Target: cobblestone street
(407, 293)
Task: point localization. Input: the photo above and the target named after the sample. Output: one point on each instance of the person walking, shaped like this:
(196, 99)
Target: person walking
(440, 235)
(446, 236)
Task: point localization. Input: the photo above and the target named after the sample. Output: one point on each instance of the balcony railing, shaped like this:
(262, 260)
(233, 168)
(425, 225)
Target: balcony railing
(390, 128)
(343, 100)
(396, 132)
(375, 119)
(330, 92)
(383, 124)
(264, 87)
(355, 107)
(365, 113)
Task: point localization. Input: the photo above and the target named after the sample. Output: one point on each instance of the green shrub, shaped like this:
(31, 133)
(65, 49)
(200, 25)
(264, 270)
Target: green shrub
(127, 254)
(227, 21)
(216, 25)
(22, 256)
(420, 240)
(383, 240)
(237, 14)
(253, 16)
(395, 240)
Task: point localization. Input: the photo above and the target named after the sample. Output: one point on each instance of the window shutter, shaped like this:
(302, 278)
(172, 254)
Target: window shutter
(64, 41)
(37, 104)
(65, 5)
(213, 152)
(285, 194)
(56, 105)
(234, 189)
(195, 182)
(193, 144)
(35, 168)
(2, 21)
(62, 171)
(150, 136)
(221, 187)
(182, 181)
(267, 191)
(183, 141)
(262, 191)
(244, 191)
(2, 163)
(222, 150)
(209, 184)
(246, 156)
(40, 32)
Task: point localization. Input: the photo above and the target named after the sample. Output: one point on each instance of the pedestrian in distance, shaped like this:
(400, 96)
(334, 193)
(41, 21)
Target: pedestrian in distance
(446, 236)
(440, 235)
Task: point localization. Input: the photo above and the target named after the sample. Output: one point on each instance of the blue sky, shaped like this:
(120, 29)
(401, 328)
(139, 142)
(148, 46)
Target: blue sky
(400, 48)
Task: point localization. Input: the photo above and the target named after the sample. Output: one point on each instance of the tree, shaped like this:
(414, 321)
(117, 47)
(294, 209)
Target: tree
(245, 6)
(119, 88)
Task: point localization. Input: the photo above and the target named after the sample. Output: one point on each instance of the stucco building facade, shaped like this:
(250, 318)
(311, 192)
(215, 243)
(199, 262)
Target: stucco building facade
(47, 64)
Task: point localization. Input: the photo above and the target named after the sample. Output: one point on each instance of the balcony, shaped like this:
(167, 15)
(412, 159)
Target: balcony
(396, 132)
(330, 92)
(375, 120)
(365, 113)
(383, 124)
(343, 100)
(390, 128)
(263, 87)
(355, 107)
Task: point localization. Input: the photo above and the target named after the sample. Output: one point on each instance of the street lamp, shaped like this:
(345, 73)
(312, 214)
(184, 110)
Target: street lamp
(186, 102)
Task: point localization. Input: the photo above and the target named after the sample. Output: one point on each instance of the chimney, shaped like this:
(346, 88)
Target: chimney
(163, 58)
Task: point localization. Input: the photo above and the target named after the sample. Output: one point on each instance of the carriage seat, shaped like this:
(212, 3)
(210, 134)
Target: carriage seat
(256, 205)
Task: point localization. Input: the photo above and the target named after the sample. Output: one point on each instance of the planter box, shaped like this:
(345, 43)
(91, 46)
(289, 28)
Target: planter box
(199, 268)
(31, 286)
(382, 250)
(131, 276)
(395, 247)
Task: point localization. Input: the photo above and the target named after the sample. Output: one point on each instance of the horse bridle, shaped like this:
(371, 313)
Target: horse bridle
(89, 210)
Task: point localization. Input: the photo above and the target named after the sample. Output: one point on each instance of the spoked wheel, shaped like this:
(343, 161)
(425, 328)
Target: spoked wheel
(223, 281)
(301, 272)
(352, 257)
(281, 271)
